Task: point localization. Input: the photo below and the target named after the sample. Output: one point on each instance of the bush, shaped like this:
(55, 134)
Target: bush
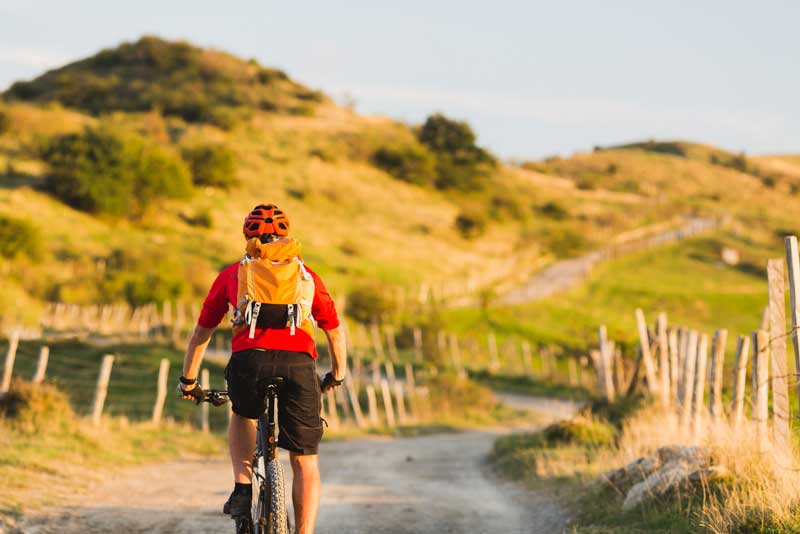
(369, 303)
(31, 408)
(212, 165)
(553, 210)
(411, 163)
(18, 237)
(108, 171)
(506, 205)
(5, 122)
(470, 226)
(461, 164)
(565, 242)
(201, 220)
(140, 276)
(451, 395)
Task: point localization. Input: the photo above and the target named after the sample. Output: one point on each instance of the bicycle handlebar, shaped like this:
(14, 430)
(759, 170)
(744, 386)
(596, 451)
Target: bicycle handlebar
(217, 397)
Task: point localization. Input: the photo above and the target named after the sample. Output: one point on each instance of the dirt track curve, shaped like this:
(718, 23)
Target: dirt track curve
(565, 274)
(436, 484)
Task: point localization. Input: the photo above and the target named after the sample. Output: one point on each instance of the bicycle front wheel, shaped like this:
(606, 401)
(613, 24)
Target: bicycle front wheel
(259, 512)
(278, 519)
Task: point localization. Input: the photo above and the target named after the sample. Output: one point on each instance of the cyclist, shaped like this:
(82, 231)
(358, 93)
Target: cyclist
(261, 353)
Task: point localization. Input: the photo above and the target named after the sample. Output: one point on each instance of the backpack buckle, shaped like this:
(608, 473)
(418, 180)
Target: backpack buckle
(292, 317)
(256, 308)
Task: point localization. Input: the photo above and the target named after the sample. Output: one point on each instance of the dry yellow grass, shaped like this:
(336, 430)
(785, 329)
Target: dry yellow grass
(761, 492)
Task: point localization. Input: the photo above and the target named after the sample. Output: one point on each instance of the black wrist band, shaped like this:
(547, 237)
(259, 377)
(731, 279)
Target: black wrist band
(188, 381)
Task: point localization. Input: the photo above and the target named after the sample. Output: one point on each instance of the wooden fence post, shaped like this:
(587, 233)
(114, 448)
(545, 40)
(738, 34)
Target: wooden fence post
(647, 357)
(410, 381)
(716, 374)
(372, 405)
(793, 261)
(161, 391)
(377, 345)
(389, 368)
(739, 380)
(777, 349)
(700, 385)
(391, 342)
(387, 404)
(527, 360)
(572, 369)
(761, 385)
(41, 365)
(401, 405)
(205, 383)
(357, 413)
(683, 345)
(455, 353)
(341, 398)
(663, 358)
(441, 345)
(333, 415)
(688, 377)
(674, 366)
(418, 344)
(605, 365)
(13, 343)
(376, 371)
(101, 390)
(494, 358)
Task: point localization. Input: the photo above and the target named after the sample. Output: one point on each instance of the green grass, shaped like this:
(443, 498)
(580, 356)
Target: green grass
(526, 385)
(73, 368)
(685, 280)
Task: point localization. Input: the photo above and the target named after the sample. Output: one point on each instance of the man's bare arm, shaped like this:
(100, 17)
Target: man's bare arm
(338, 346)
(195, 350)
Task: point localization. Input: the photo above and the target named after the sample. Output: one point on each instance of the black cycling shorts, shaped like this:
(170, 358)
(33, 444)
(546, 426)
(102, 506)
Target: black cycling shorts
(300, 400)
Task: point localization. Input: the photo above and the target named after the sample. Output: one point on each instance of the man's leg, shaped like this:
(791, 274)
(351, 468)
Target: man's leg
(305, 491)
(242, 444)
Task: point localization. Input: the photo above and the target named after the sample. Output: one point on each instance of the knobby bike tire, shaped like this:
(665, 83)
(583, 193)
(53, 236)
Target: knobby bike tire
(278, 521)
(259, 488)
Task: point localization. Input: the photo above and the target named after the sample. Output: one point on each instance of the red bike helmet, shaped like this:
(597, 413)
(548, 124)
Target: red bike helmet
(265, 219)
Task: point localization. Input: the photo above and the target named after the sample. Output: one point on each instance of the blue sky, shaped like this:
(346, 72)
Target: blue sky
(533, 78)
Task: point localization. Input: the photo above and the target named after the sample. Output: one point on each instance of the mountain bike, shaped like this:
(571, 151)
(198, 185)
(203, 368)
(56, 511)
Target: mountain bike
(268, 512)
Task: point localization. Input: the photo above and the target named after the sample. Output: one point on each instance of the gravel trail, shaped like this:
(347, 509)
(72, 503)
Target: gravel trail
(436, 484)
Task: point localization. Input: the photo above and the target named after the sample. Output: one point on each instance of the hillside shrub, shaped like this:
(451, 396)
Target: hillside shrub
(212, 165)
(36, 408)
(553, 210)
(5, 122)
(461, 164)
(139, 276)
(101, 170)
(411, 163)
(565, 242)
(505, 205)
(451, 395)
(470, 226)
(18, 237)
(200, 220)
(370, 302)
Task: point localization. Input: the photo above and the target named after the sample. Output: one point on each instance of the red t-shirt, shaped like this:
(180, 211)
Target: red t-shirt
(223, 293)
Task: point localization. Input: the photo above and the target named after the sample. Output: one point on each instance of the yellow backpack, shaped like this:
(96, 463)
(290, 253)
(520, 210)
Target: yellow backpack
(275, 289)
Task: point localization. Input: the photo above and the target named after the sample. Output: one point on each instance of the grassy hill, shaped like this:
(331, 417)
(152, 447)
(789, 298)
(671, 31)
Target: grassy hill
(350, 183)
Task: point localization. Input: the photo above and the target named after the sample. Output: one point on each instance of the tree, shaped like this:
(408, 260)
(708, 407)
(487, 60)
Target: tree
(102, 170)
(461, 164)
(212, 165)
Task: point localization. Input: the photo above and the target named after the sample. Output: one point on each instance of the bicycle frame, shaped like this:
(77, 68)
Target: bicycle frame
(267, 419)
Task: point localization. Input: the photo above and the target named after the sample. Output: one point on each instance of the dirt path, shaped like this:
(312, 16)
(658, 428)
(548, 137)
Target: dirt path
(565, 274)
(434, 484)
